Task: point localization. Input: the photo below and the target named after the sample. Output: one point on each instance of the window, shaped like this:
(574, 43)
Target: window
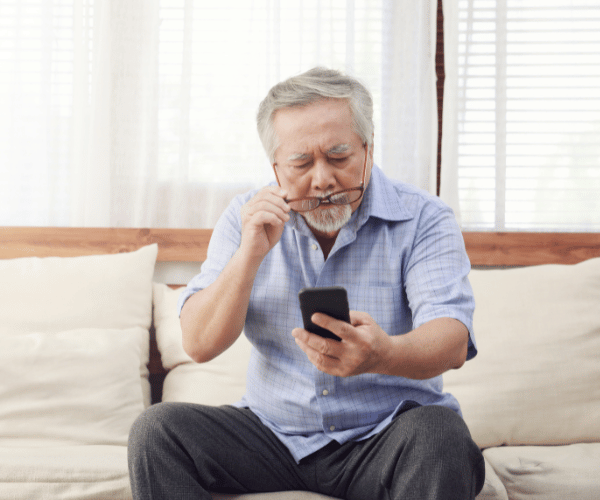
(40, 45)
(143, 113)
(206, 118)
(528, 108)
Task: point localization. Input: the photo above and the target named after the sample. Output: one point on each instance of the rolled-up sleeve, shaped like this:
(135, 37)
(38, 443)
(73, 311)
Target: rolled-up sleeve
(437, 283)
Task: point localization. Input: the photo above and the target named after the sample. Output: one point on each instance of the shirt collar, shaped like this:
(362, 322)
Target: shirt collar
(382, 199)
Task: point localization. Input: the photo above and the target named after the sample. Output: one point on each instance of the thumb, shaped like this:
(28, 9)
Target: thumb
(358, 318)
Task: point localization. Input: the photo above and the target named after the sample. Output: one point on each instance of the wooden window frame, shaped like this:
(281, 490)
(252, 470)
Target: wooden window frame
(441, 76)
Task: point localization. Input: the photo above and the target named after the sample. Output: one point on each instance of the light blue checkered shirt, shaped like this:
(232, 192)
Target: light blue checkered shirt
(401, 258)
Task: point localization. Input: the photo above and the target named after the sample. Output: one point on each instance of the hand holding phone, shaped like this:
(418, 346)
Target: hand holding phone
(332, 301)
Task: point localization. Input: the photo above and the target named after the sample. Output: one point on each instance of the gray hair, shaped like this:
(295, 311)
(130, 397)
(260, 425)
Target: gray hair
(308, 88)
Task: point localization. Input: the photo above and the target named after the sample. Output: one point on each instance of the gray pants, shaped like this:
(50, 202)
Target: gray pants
(183, 451)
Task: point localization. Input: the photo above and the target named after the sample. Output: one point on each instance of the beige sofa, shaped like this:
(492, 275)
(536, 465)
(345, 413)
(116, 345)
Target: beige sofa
(77, 333)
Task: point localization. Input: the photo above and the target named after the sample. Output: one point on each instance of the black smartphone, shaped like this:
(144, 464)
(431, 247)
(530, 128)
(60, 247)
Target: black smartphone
(332, 300)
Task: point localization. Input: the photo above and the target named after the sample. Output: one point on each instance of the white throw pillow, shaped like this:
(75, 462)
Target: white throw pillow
(79, 386)
(167, 326)
(217, 382)
(56, 294)
(536, 378)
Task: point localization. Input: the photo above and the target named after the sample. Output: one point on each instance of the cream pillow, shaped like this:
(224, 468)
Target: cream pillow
(536, 377)
(56, 294)
(79, 386)
(220, 381)
(166, 324)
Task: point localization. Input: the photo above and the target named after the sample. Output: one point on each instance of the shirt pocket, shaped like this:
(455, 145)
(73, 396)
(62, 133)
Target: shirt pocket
(387, 305)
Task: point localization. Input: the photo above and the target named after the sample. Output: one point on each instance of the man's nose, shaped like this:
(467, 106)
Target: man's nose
(323, 178)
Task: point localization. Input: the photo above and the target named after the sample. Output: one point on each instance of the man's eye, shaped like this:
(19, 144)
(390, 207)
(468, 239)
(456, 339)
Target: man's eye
(301, 166)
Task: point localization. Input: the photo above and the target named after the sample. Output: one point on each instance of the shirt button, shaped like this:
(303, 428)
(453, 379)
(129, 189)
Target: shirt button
(314, 246)
(332, 428)
(325, 392)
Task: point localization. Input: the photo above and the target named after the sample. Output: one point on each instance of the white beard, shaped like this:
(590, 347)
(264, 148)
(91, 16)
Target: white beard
(328, 220)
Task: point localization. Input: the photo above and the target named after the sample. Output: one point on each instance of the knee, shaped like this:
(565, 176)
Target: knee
(149, 426)
(441, 432)
(439, 447)
(454, 449)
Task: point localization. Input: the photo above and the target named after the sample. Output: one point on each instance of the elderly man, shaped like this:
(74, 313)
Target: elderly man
(361, 418)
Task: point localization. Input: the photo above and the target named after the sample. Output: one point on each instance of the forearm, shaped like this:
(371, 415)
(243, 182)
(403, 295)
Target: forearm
(213, 318)
(427, 351)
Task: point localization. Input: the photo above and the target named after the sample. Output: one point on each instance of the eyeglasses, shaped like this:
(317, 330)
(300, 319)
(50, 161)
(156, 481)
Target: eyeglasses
(343, 197)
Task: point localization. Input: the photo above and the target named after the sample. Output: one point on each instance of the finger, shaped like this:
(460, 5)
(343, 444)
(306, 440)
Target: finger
(323, 362)
(260, 207)
(272, 194)
(266, 207)
(264, 214)
(263, 218)
(342, 329)
(310, 342)
(358, 318)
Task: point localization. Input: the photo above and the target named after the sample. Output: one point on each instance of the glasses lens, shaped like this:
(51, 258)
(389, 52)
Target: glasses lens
(304, 205)
(343, 198)
(346, 197)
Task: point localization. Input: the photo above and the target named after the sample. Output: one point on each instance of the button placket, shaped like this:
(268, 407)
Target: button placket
(325, 389)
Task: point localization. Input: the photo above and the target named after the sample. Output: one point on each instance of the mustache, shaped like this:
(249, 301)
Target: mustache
(323, 197)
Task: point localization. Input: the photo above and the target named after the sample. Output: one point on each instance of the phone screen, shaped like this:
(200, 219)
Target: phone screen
(332, 301)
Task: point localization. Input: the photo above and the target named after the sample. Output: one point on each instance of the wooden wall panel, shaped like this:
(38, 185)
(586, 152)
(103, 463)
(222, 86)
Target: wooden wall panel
(175, 245)
(527, 249)
(190, 245)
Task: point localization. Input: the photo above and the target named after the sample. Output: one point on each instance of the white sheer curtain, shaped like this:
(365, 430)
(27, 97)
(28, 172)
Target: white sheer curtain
(408, 133)
(142, 113)
(521, 124)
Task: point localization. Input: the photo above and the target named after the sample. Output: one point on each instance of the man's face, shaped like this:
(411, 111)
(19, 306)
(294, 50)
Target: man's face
(320, 153)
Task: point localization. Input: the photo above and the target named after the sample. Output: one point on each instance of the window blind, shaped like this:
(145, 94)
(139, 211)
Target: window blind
(529, 114)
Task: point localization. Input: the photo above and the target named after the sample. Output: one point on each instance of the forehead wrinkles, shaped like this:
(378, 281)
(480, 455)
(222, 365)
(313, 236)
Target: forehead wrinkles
(315, 127)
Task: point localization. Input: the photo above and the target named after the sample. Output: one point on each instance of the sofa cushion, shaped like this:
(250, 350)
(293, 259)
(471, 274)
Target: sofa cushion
(219, 381)
(548, 472)
(535, 379)
(66, 472)
(57, 294)
(493, 489)
(75, 387)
